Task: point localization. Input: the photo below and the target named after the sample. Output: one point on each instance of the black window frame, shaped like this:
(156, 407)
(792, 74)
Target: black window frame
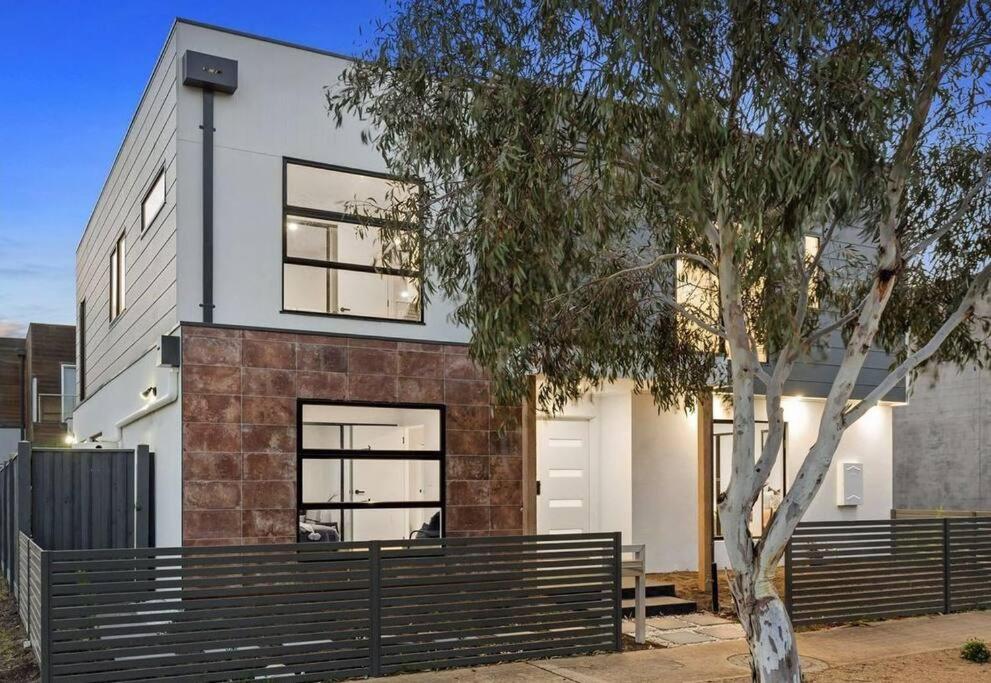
(439, 455)
(336, 216)
(117, 299)
(714, 479)
(145, 220)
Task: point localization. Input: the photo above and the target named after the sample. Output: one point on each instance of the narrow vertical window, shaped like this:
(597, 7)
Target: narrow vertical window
(117, 285)
(81, 360)
(153, 201)
(811, 248)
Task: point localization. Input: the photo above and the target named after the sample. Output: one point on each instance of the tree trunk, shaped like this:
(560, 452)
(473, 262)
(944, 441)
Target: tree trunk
(762, 613)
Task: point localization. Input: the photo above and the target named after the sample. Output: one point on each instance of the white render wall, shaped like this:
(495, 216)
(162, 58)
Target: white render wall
(665, 498)
(279, 110)
(159, 430)
(609, 412)
(663, 485)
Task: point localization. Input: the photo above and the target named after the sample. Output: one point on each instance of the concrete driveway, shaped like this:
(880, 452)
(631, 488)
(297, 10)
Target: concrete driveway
(726, 660)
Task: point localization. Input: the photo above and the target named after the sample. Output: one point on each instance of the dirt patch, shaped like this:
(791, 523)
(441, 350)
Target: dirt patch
(686, 586)
(942, 666)
(17, 663)
(631, 645)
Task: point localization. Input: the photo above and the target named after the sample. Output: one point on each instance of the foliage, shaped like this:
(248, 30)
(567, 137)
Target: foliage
(975, 650)
(569, 148)
(625, 189)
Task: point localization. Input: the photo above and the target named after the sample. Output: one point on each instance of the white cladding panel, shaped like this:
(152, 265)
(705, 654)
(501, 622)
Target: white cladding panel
(279, 111)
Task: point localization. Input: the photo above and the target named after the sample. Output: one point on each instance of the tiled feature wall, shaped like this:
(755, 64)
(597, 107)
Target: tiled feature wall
(239, 391)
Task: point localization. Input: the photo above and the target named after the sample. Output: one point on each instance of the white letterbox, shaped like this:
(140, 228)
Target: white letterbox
(850, 484)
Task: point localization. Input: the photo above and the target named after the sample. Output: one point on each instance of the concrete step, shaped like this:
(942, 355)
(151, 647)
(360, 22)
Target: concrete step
(661, 605)
(654, 588)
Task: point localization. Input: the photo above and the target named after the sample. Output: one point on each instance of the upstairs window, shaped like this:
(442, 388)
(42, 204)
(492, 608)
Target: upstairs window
(811, 248)
(336, 262)
(117, 288)
(153, 202)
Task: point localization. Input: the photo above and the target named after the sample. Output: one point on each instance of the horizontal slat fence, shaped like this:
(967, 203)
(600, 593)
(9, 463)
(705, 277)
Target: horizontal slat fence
(969, 545)
(847, 571)
(322, 611)
(464, 602)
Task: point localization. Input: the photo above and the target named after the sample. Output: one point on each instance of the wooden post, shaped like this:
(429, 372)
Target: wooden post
(703, 416)
(143, 497)
(529, 441)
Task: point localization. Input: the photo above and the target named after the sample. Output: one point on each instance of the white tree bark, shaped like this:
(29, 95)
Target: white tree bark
(770, 637)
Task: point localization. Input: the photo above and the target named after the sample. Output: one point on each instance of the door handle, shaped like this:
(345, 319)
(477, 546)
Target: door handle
(538, 487)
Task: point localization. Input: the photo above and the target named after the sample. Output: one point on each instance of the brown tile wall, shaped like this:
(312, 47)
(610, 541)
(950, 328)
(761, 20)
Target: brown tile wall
(239, 391)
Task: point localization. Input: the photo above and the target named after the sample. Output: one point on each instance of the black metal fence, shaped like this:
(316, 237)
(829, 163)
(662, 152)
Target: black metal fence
(318, 611)
(847, 571)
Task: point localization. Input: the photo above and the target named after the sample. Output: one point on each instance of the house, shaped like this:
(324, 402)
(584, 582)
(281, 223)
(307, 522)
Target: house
(37, 386)
(291, 383)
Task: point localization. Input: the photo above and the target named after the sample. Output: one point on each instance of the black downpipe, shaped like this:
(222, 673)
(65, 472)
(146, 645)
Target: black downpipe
(208, 129)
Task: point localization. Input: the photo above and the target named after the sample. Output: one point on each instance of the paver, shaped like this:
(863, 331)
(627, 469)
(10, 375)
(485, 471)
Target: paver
(687, 637)
(723, 631)
(703, 619)
(667, 623)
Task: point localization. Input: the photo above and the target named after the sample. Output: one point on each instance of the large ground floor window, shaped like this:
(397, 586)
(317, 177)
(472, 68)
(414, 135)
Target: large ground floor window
(370, 471)
(773, 491)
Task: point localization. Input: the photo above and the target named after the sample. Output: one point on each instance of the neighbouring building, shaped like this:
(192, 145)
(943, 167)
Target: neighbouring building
(37, 386)
(943, 443)
(293, 387)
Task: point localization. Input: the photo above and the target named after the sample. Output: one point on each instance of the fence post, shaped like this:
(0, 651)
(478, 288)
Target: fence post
(375, 608)
(947, 602)
(24, 487)
(788, 578)
(44, 632)
(24, 588)
(142, 496)
(617, 543)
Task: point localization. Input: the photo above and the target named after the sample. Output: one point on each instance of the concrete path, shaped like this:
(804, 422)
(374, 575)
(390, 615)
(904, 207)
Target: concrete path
(725, 660)
(686, 629)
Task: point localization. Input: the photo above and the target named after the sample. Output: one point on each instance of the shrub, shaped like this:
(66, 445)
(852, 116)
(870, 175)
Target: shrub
(975, 650)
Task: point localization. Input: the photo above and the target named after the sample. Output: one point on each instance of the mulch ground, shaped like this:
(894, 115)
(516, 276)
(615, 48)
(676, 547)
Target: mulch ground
(17, 663)
(686, 587)
(943, 666)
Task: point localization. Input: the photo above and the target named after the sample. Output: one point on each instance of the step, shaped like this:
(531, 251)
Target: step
(661, 605)
(654, 588)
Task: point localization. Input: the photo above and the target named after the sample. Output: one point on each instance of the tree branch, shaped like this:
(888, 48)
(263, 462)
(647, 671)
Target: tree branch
(963, 312)
(959, 212)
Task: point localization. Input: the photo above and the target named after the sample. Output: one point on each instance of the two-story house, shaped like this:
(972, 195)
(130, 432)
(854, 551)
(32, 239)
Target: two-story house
(293, 386)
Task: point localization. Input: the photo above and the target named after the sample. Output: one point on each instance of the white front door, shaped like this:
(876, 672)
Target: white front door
(562, 469)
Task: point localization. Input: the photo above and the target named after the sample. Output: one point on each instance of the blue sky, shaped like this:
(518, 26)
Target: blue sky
(71, 74)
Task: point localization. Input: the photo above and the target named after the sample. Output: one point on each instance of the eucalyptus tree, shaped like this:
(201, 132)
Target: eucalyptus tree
(582, 163)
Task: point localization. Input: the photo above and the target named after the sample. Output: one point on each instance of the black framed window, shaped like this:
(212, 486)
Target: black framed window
(118, 267)
(81, 331)
(774, 488)
(154, 200)
(336, 262)
(369, 471)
